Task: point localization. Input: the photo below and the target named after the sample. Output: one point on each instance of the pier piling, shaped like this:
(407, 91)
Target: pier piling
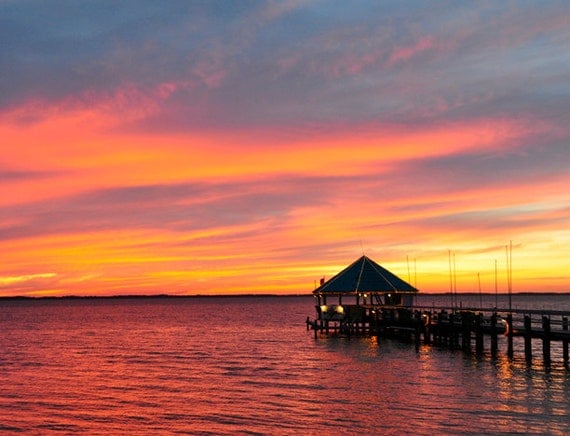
(427, 331)
(478, 334)
(565, 342)
(546, 340)
(528, 339)
(494, 335)
(466, 331)
(510, 333)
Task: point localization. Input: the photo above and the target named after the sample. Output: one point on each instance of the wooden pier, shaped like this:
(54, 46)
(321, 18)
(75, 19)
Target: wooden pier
(370, 300)
(470, 329)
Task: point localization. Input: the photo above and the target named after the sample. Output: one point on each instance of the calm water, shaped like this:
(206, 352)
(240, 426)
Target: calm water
(248, 366)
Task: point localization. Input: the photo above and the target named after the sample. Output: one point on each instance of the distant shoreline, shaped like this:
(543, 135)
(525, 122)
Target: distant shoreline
(170, 296)
(149, 296)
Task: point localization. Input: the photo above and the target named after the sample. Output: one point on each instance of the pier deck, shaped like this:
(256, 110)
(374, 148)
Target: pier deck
(453, 327)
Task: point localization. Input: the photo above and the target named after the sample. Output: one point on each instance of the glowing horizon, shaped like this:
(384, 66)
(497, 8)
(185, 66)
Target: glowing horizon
(205, 149)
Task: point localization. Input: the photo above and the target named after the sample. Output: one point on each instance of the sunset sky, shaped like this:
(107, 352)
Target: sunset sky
(203, 147)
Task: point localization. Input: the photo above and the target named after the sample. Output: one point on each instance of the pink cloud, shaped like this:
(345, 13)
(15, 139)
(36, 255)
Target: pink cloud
(401, 54)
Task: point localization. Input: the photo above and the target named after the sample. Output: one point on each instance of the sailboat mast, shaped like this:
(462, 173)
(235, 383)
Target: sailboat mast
(496, 289)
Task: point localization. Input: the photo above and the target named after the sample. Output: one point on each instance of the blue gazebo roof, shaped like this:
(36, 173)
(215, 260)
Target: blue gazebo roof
(364, 275)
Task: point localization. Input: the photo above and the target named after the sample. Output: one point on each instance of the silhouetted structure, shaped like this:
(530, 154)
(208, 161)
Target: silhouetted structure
(370, 300)
(358, 292)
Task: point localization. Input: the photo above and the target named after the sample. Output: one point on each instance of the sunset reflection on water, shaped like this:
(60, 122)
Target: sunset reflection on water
(248, 365)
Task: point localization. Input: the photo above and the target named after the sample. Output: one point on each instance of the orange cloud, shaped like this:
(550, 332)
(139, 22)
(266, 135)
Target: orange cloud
(300, 208)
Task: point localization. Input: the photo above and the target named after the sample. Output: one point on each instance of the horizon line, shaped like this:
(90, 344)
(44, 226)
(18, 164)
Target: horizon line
(241, 295)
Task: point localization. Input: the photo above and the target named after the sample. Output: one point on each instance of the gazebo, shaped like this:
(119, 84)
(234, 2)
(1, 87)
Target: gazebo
(360, 288)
